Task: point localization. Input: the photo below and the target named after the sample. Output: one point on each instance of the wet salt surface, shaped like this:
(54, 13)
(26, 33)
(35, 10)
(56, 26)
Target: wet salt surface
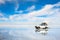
(29, 34)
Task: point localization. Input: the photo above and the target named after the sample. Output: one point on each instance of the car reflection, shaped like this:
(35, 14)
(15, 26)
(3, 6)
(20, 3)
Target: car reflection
(42, 31)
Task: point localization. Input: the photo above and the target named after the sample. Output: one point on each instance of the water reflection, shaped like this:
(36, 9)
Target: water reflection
(30, 34)
(42, 31)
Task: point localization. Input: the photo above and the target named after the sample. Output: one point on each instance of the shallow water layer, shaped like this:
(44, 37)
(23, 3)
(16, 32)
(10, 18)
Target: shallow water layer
(29, 34)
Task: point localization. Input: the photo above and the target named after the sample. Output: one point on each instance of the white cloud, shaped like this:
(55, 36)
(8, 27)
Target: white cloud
(9, 0)
(16, 3)
(30, 8)
(31, 16)
(45, 11)
(2, 1)
(48, 10)
(2, 17)
(20, 11)
(1, 14)
(58, 4)
(29, 0)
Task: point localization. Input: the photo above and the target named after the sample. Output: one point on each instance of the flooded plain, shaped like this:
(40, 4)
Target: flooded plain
(26, 33)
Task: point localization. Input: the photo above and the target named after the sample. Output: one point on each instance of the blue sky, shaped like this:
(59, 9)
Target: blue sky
(29, 11)
(8, 8)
